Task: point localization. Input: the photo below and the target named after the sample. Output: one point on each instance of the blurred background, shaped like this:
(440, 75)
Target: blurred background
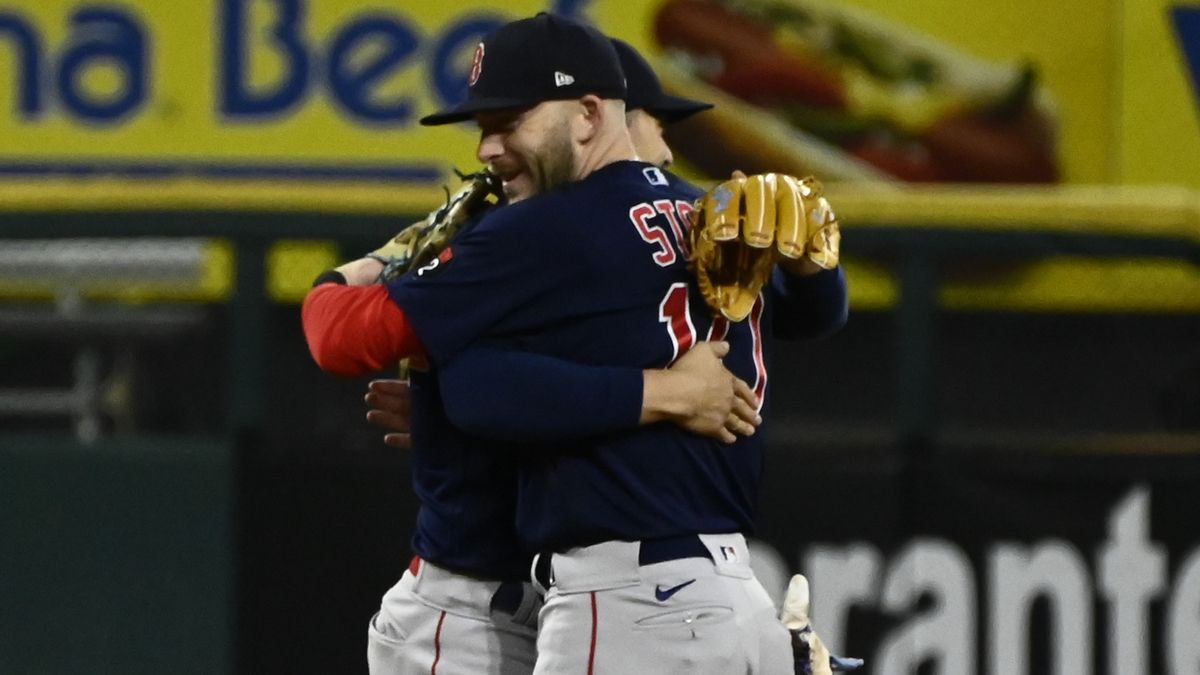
(993, 468)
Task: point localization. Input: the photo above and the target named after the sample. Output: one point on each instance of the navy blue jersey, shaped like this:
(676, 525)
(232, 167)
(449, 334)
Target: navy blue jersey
(596, 273)
(468, 496)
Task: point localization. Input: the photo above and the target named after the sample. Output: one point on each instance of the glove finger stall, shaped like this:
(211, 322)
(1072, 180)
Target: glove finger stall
(724, 207)
(758, 200)
(791, 232)
(825, 243)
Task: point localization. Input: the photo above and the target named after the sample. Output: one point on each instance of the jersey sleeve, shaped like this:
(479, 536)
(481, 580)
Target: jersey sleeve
(518, 396)
(809, 307)
(486, 281)
(353, 331)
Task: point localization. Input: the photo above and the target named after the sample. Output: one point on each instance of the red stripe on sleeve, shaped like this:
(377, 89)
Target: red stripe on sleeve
(353, 331)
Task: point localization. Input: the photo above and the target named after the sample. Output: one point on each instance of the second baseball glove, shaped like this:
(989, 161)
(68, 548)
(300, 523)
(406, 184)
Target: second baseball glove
(745, 225)
(811, 654)
(418, 243)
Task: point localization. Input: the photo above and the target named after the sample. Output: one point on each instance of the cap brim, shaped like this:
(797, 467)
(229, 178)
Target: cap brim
(468, 109)
(674, 108)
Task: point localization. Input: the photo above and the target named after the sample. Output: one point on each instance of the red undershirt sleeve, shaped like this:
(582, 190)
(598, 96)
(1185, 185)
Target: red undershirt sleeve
(353, 331)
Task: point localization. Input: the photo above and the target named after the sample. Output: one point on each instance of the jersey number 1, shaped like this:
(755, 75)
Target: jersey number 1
(675, 311)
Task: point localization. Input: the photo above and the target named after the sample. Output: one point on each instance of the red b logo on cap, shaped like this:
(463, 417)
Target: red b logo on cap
(476, 65)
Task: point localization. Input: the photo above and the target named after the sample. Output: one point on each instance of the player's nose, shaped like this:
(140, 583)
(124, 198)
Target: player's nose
(490, 147)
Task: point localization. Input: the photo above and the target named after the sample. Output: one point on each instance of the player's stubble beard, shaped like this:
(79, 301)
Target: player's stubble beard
(546, 165)
(555, 165)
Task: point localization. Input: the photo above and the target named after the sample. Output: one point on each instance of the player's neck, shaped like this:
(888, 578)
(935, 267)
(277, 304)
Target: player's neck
(612, 145)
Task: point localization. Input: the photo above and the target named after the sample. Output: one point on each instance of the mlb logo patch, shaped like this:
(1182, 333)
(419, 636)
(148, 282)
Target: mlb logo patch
(729, 553)
(654, 176)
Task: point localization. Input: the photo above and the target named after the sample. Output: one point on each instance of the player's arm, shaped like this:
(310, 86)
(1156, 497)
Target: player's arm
(355, 330)
(808, 305)
(352, 324)
(517, 396)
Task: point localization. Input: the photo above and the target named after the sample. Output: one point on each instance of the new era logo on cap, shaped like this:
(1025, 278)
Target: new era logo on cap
(562, 79)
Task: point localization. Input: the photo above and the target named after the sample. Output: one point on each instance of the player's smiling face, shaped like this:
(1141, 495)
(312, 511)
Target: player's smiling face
(529, 149)
(647, 134)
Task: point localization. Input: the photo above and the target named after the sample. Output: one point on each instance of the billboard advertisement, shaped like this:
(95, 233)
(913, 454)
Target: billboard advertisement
(1002, 563)
(925, 90)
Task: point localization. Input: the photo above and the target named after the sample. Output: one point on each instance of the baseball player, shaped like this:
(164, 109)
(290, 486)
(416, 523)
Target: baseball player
(648, 108)
(640, 534)
(460, 607)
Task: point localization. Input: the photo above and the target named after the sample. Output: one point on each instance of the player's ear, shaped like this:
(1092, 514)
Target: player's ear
(591, 118)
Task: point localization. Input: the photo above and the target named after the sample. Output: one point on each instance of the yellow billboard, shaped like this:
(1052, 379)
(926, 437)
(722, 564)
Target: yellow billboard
(1159, 115)
(331, 90)
(236, 88)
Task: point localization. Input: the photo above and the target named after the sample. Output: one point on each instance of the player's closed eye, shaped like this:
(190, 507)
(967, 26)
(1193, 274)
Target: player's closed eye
(500, 122)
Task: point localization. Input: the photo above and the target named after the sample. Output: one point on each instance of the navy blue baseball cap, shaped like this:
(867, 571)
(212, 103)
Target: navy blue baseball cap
(646, 91)
(529, 61)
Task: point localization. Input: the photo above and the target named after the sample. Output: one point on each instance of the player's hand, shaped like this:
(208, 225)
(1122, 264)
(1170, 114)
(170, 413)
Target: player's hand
(715, 412)
(698, 393)
(388, 400)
